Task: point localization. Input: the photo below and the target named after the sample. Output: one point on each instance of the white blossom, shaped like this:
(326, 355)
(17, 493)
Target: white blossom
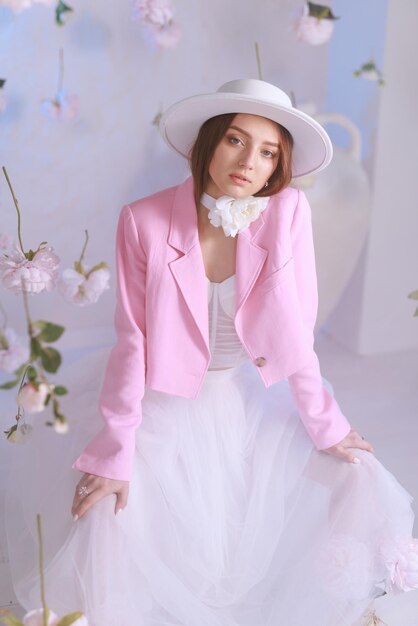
(3, 101)
(313, 30)
(158, 19)
(82, 289)
(35, 618)
(63, 107)
(19, 274)
(7, 242)
(32, 398)
(20, 5)
(12, 352)
(400, 556)
(60, 427)
(21, 434)
(235, 215)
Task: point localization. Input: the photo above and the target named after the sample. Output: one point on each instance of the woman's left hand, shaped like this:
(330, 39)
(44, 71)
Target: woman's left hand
(352, 440)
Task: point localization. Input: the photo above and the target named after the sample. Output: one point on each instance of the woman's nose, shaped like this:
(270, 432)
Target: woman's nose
(247, 159)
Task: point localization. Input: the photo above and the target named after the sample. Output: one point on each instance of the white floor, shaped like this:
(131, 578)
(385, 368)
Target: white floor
(379, 395)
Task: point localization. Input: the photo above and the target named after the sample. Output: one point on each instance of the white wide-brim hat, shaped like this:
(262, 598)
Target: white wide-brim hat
(180, 124)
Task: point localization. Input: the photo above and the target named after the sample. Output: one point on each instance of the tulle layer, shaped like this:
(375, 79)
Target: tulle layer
(234, 519)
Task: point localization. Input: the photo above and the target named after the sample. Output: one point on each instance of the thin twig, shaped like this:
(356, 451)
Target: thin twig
(61, 70)
(84, 247)
(257, 54)
(17, 208)
(41, 570)
(27, 313)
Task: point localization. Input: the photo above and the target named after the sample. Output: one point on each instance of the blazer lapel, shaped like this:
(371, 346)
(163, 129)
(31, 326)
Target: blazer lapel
(189, 270)
(249, 261)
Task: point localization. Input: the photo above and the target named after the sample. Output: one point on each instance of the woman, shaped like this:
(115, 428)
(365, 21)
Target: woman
(251, 500)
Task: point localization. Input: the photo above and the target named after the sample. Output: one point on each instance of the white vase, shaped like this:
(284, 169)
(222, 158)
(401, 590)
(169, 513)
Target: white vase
(340, 198)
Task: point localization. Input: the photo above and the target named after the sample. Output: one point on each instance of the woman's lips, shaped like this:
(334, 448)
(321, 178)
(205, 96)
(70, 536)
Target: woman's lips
(239, 180)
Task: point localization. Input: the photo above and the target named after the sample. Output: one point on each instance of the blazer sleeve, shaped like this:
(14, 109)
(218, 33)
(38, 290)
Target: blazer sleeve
(318, 410)
(110, 453)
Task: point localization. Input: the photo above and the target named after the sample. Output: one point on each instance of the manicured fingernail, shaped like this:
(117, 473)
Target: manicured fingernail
(356, 460)
(118, 511)
(75, 518)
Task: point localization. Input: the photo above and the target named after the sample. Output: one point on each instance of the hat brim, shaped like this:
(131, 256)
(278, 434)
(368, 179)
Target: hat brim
(180, 124)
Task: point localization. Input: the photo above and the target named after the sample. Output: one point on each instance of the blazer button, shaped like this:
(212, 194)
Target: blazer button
(260, 361)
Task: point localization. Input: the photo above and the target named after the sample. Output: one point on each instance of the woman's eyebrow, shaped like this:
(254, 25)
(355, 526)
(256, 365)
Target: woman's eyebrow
(244, 132)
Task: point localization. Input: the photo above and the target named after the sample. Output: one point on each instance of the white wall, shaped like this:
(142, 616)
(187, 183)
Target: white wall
(375, 315)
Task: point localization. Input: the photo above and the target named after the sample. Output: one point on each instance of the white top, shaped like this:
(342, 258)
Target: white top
(225, 346)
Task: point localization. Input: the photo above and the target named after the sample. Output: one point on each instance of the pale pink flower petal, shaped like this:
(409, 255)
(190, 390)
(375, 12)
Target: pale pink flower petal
(62, 428)
(17, 5)
(7, 242)
(78, 289)
(12, 357)
(32, 399)
(18, 274)
(35, 618)
(313, 30)
(166, 37)
(62, 107)
(3, 101)
(20, 5)
(21, 434)
(400, 556)
(158, 19)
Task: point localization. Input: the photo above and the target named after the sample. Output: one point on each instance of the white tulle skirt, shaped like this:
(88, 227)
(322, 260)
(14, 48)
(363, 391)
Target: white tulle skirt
(233, 519)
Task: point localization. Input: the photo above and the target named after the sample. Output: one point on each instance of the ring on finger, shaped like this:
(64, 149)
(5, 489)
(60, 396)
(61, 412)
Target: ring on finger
(83, 491)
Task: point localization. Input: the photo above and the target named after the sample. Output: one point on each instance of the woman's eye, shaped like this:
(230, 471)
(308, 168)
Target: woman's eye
(234, 140)
(268, 153)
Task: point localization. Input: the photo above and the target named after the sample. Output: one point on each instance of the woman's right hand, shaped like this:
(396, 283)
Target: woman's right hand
(90, 489)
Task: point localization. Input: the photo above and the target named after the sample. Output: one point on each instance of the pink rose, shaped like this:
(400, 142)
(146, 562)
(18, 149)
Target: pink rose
(313, 30)
(18, 274)
(32, 398)
(62, 107)
(84, 289)
(157, 17)
(12, 352)
(7, 242)
(400, 556)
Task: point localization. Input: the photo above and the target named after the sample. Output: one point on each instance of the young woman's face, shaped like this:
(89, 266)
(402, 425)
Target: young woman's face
(245, 158)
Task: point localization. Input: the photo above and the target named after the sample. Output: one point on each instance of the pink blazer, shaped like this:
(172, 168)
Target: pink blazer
(162, 325)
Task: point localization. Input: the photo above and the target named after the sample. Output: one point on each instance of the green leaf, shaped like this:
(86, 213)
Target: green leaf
(99, 266)
(20, 370)
(49, 332)
(413, 295)
(29, 255)
(50, 359)
(78, 266)
(10, 384)
(59, 390)
(32, 374)
(57, 411)
(60, 10)
(416, 313)
(8, 618)
(35, 348)
(47, 399)
(321, 11)
(70, 618)
(10, 432)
